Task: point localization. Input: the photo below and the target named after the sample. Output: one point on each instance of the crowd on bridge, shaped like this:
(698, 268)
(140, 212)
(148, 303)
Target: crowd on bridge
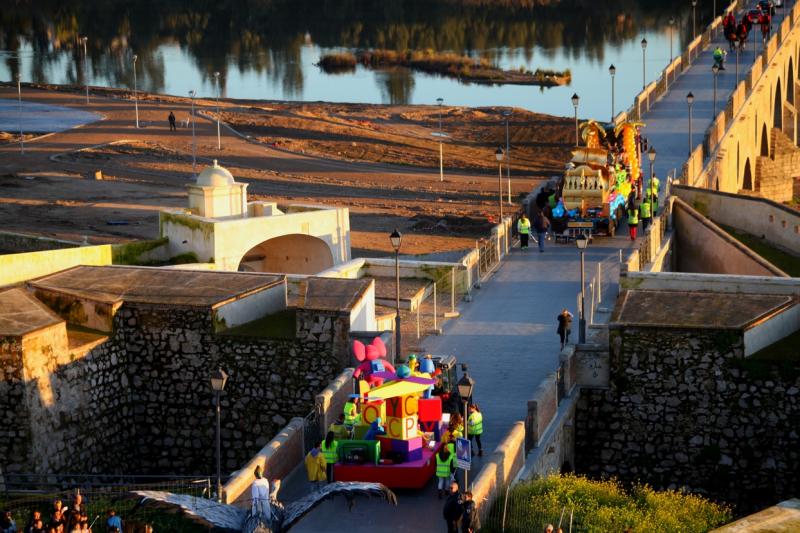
(736, 33)
(62, 519)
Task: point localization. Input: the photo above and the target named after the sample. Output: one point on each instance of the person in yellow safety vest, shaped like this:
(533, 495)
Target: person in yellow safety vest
(654, 185)
(445, 460)
(316, 465)
(524, 230)
(645, 213)
(633, 221)
(475, 427)
(350, 412)
(340, 432)
(330, 449)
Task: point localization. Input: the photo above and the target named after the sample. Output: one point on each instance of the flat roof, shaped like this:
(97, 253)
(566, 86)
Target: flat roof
(679, 309)
(21, 313)
(329, 294)
(410, 288)
(194, 288)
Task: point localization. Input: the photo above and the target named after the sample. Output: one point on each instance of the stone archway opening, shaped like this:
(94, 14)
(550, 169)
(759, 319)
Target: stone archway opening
(777, 115)
(790, 82)
(288, 254)
(764, 149)
(747, 182)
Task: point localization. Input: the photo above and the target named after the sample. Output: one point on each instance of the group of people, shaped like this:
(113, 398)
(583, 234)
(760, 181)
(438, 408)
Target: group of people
(736, 33)
(460, 512)
(446, 456)
(545, 203)
(63, 519)
(645, 210)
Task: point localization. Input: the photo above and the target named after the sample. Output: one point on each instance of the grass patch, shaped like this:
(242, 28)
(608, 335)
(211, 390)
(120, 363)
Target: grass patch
(601, 506)
(783, 260)
(338, 62)
(280, 325)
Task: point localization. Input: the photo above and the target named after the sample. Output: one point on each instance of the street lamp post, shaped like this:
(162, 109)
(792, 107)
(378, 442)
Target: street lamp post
(671, 24)
(19, 112)
(575, 101)
(194, 143)
(219, 90)
(465, 387)
(441, 136)
(135, 101)
(690, 101)
(644, 70)
(440, 101)
(715, 71)
(651, 155)
(396, 238)
(507, 115)
(582, 242)
(85, 66)
(499, 155)
(218, 380)
(613, 71)
(694, 19)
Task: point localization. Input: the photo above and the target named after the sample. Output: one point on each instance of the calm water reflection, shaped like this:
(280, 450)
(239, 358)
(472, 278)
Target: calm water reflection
(267, 48)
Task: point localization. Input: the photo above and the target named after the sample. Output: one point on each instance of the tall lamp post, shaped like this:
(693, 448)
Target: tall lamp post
(499, 155)
(613, 71)
(85, 66)
(396, 238)
(219, 90)
(19, 112)
(135, 101)
(575, 101)
(694, 19)
(465, 386)
(644, 70)
(194, 143)
(582, 242)
(218, 380)
(671, 24)
(736, 48)
(690, 101)
(715, 71)
(507, 115)
(441, 136)
(651, 155)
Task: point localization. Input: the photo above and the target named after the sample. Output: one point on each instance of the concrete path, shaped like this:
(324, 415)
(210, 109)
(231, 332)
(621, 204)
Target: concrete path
(41, 118)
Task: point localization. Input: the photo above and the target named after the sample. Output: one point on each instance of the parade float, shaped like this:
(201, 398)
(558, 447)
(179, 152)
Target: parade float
(599, 179)
(399, 425)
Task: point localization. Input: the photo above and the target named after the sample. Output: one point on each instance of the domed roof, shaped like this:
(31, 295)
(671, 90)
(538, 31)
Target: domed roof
(215, 176)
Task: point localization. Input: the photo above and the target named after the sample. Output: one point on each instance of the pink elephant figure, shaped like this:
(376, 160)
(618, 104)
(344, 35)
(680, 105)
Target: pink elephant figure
(372, 356)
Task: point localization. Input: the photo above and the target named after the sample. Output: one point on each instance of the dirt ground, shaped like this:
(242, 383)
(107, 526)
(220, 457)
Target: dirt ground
(392, 182)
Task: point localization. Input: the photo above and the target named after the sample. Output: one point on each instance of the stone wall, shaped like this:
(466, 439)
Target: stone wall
(684, 408)
(14, 440)
(775, 174)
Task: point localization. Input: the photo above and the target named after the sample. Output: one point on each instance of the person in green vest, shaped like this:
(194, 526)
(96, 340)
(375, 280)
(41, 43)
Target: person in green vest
(330, 449)
(340, 432)
(633, 220)
(475, 427)
(524, 230)
(350, 412)
(653, 192)
(444, 466)
(645, 213)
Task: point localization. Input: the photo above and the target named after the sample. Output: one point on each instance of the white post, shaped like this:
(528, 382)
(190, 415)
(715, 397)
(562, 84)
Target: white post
(453, 290)
(599, 283)
(435, 310)
(441, 162)
(620, 255)
(591, 307)
(509, 188)
(418, 306)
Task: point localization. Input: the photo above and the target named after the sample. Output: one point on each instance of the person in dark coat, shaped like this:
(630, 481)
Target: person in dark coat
(171, 119)
(471, 522)
(541, 224)
(564, 326)
(453, 510)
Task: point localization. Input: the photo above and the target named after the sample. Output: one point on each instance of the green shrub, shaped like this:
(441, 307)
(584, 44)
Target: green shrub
(603, 506)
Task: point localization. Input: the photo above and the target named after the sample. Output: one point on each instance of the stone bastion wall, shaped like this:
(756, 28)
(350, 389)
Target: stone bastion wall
(139, 401)
(684, 408)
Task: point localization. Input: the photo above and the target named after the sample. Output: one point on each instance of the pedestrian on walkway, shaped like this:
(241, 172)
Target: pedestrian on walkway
(444, 465)
(475, 427)
(330, 449)
(471, 522)
(524, 230)
(316, 466)
(453, 509)
(564, 326)
(633, 221)
(655, 185)
(259, 494)
(541, 224)
(719, 58)
(645, 213)
(171, 119)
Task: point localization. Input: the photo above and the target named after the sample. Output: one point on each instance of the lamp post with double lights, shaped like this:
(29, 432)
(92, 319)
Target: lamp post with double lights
(582, 242)
(396, 239)
(465, 387)
(575, 101)
(613, 71)
(218, 380)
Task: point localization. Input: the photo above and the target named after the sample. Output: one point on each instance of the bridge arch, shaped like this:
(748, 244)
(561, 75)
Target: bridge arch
(777, 118)
(291, 254)
(790, 82)
(738, 167)
(764, 147)
(747, 182)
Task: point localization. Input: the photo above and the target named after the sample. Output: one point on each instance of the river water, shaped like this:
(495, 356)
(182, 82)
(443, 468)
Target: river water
(267, 49)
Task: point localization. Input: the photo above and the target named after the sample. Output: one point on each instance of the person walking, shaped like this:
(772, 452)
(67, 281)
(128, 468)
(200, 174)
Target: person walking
(655, 185)
(633, 220)
(316, 466)
(470, 522)
(645, 213)
(719, 57)
(564, 326)
(444, 465)
(171, 119)
(541, 224)
(259, 494)
(330, 450)
(453, 510)
(475, 427)
(524, 230)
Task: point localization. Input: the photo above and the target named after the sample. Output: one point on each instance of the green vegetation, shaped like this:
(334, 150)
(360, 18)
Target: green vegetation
(280, 325)
(602, 506)
(783, 260)
(338, 62)
(130, 252)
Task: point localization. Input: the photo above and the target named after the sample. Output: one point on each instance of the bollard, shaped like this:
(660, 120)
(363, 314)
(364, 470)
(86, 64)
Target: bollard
(435, 323)
(599, 286)
(453, 290)
(591, 305)
(418, 306)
